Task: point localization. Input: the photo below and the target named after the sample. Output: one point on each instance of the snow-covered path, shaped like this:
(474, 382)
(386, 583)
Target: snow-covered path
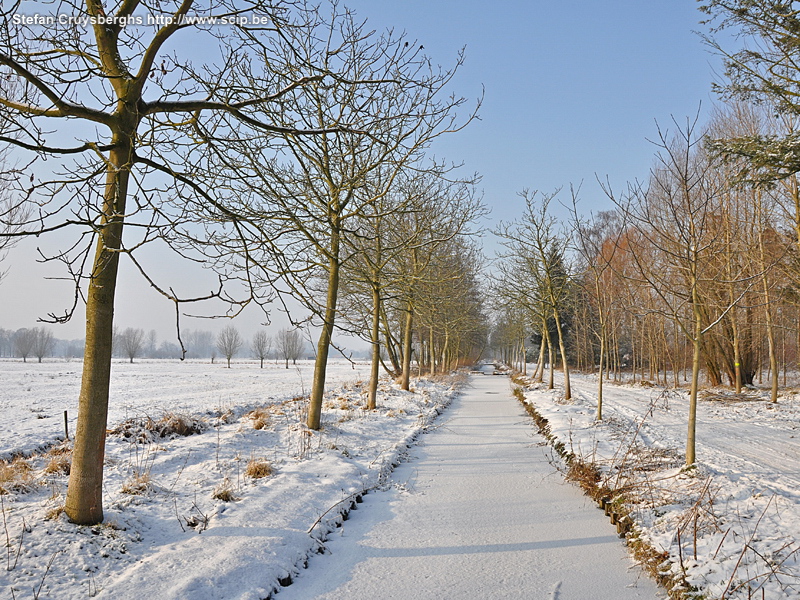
(478, 512)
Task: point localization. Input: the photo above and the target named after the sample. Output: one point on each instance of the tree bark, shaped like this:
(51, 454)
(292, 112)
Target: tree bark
(405, 378)
(563, 350)
(325, 336)
(84, 502)
(376, 349)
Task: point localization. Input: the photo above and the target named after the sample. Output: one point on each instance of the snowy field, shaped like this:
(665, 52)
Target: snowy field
(33, 396)
(729, 528)
(226, 512)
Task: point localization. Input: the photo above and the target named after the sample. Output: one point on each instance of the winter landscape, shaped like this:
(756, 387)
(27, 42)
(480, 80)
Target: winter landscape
(400, 299)
(190, 515)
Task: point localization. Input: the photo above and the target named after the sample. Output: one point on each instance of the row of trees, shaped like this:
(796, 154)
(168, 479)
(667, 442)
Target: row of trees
(37, 342)
(132, 343)
(287, 159)
(693, 277)
(287, 345)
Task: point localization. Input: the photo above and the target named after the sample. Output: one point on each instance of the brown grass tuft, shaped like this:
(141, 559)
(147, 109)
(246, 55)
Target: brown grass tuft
(146, 430)
(173, 424)
(258, 468)
(59, 465)
(15, 476)
(224, 492)
(260, 417)
(584, 474)
(137, 485)
(54, 513)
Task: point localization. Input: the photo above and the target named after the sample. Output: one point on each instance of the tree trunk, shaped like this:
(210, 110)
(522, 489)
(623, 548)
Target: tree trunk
(376, 349)
(697, 343)
(538, 375)
(405, 378)
(773, 358)
(325, 336)
(599, 413)
(551, 382)
(563, 350)
(84, 503)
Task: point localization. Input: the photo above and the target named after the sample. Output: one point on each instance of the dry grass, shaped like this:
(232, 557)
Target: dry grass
(59, 465)
(146, 430)
(260, 417)
(224, 492)
(172, 424)
(226, 416)
(728, 396)
(258, 468)
(15, 476)
(137, 485)
(587, 476)
(54, 513)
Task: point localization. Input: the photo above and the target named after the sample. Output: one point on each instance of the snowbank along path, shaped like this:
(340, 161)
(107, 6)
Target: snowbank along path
(478, 512)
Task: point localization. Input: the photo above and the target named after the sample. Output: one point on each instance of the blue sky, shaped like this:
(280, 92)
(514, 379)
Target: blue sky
(571, 91)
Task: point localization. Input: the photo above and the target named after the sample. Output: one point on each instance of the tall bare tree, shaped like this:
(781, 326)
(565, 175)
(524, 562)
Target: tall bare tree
(375, 271)
(142, 100)
(597, 240)
(24, 342)
(44, 343)
(289, 345)
(131, 342)
(393, 103)
(229, 342)
(675, 243)
(261, 346)
(534, 241)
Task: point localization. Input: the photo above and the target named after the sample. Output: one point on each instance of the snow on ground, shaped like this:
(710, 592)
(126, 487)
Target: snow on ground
(34, 396)
(730, 526)
(477, 512)
(185, 517)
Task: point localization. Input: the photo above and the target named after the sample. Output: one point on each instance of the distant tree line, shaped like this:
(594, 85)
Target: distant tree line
(132, 343)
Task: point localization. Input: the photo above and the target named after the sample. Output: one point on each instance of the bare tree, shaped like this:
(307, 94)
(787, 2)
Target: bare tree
(439, 212)
(394, 104)
(261, 346)
(289, 345)
(43, 343)
(24, 342)
(6, 342)
(136, 101)
(540, 249)
(674, 243)
(229, 342)
(596, 241)
(131, 342)
(372, 271)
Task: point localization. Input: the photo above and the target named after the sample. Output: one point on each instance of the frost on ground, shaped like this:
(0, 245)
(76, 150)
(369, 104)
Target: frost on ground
(214, 487)
(729, 527)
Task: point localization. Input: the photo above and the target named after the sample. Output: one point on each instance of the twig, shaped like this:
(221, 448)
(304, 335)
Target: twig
(19, 547)
(348, 498)
(744, 549)
(721, 541)
(180, 471)
(177, 516)
(8, 538)
(46, 571)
